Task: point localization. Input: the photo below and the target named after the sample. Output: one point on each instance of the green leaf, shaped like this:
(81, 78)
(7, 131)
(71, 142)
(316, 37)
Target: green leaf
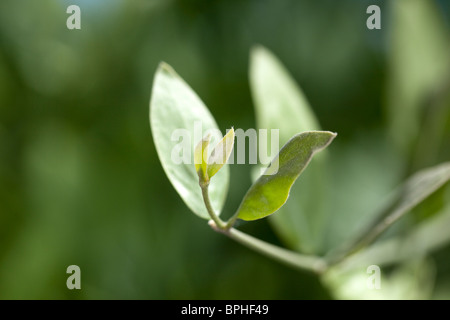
(177, 113)
(201, 158)
(280, 104)
(271, 190)
(221, 153)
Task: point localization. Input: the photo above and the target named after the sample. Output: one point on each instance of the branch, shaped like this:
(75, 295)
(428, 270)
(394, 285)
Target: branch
(298, 261)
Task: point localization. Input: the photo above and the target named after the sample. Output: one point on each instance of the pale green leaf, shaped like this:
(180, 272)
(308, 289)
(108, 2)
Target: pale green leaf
(271, 190)
(279, 101)
(176, 114)
(221, 153)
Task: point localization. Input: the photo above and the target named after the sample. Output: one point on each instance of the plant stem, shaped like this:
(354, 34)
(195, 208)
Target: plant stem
(209, 207)
(232, 220)
(296, 260)
(303, 262)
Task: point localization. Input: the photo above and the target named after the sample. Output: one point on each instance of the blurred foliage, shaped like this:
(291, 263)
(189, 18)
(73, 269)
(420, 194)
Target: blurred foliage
(80, 181)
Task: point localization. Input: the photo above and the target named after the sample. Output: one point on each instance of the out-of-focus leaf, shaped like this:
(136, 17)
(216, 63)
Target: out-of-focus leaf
(221, 153)
(428, 236)
(415, 190)
(433, 142)
(174, 106)
(280, 104)
(419, 61)
(271, 190)
(362, 172)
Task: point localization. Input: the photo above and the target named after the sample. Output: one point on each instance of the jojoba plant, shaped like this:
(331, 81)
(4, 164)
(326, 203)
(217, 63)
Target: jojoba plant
(202, 179)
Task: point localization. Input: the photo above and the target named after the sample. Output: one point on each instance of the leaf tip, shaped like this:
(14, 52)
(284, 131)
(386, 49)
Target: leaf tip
(258, 50)
(221, 153)
(166, 68)
(333, 135)
(328, 137)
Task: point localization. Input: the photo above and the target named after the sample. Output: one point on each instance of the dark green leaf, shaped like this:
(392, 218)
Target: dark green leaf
(271, 190)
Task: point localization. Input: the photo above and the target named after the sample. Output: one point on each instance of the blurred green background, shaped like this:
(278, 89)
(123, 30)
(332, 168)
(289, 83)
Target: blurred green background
(80, 181)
